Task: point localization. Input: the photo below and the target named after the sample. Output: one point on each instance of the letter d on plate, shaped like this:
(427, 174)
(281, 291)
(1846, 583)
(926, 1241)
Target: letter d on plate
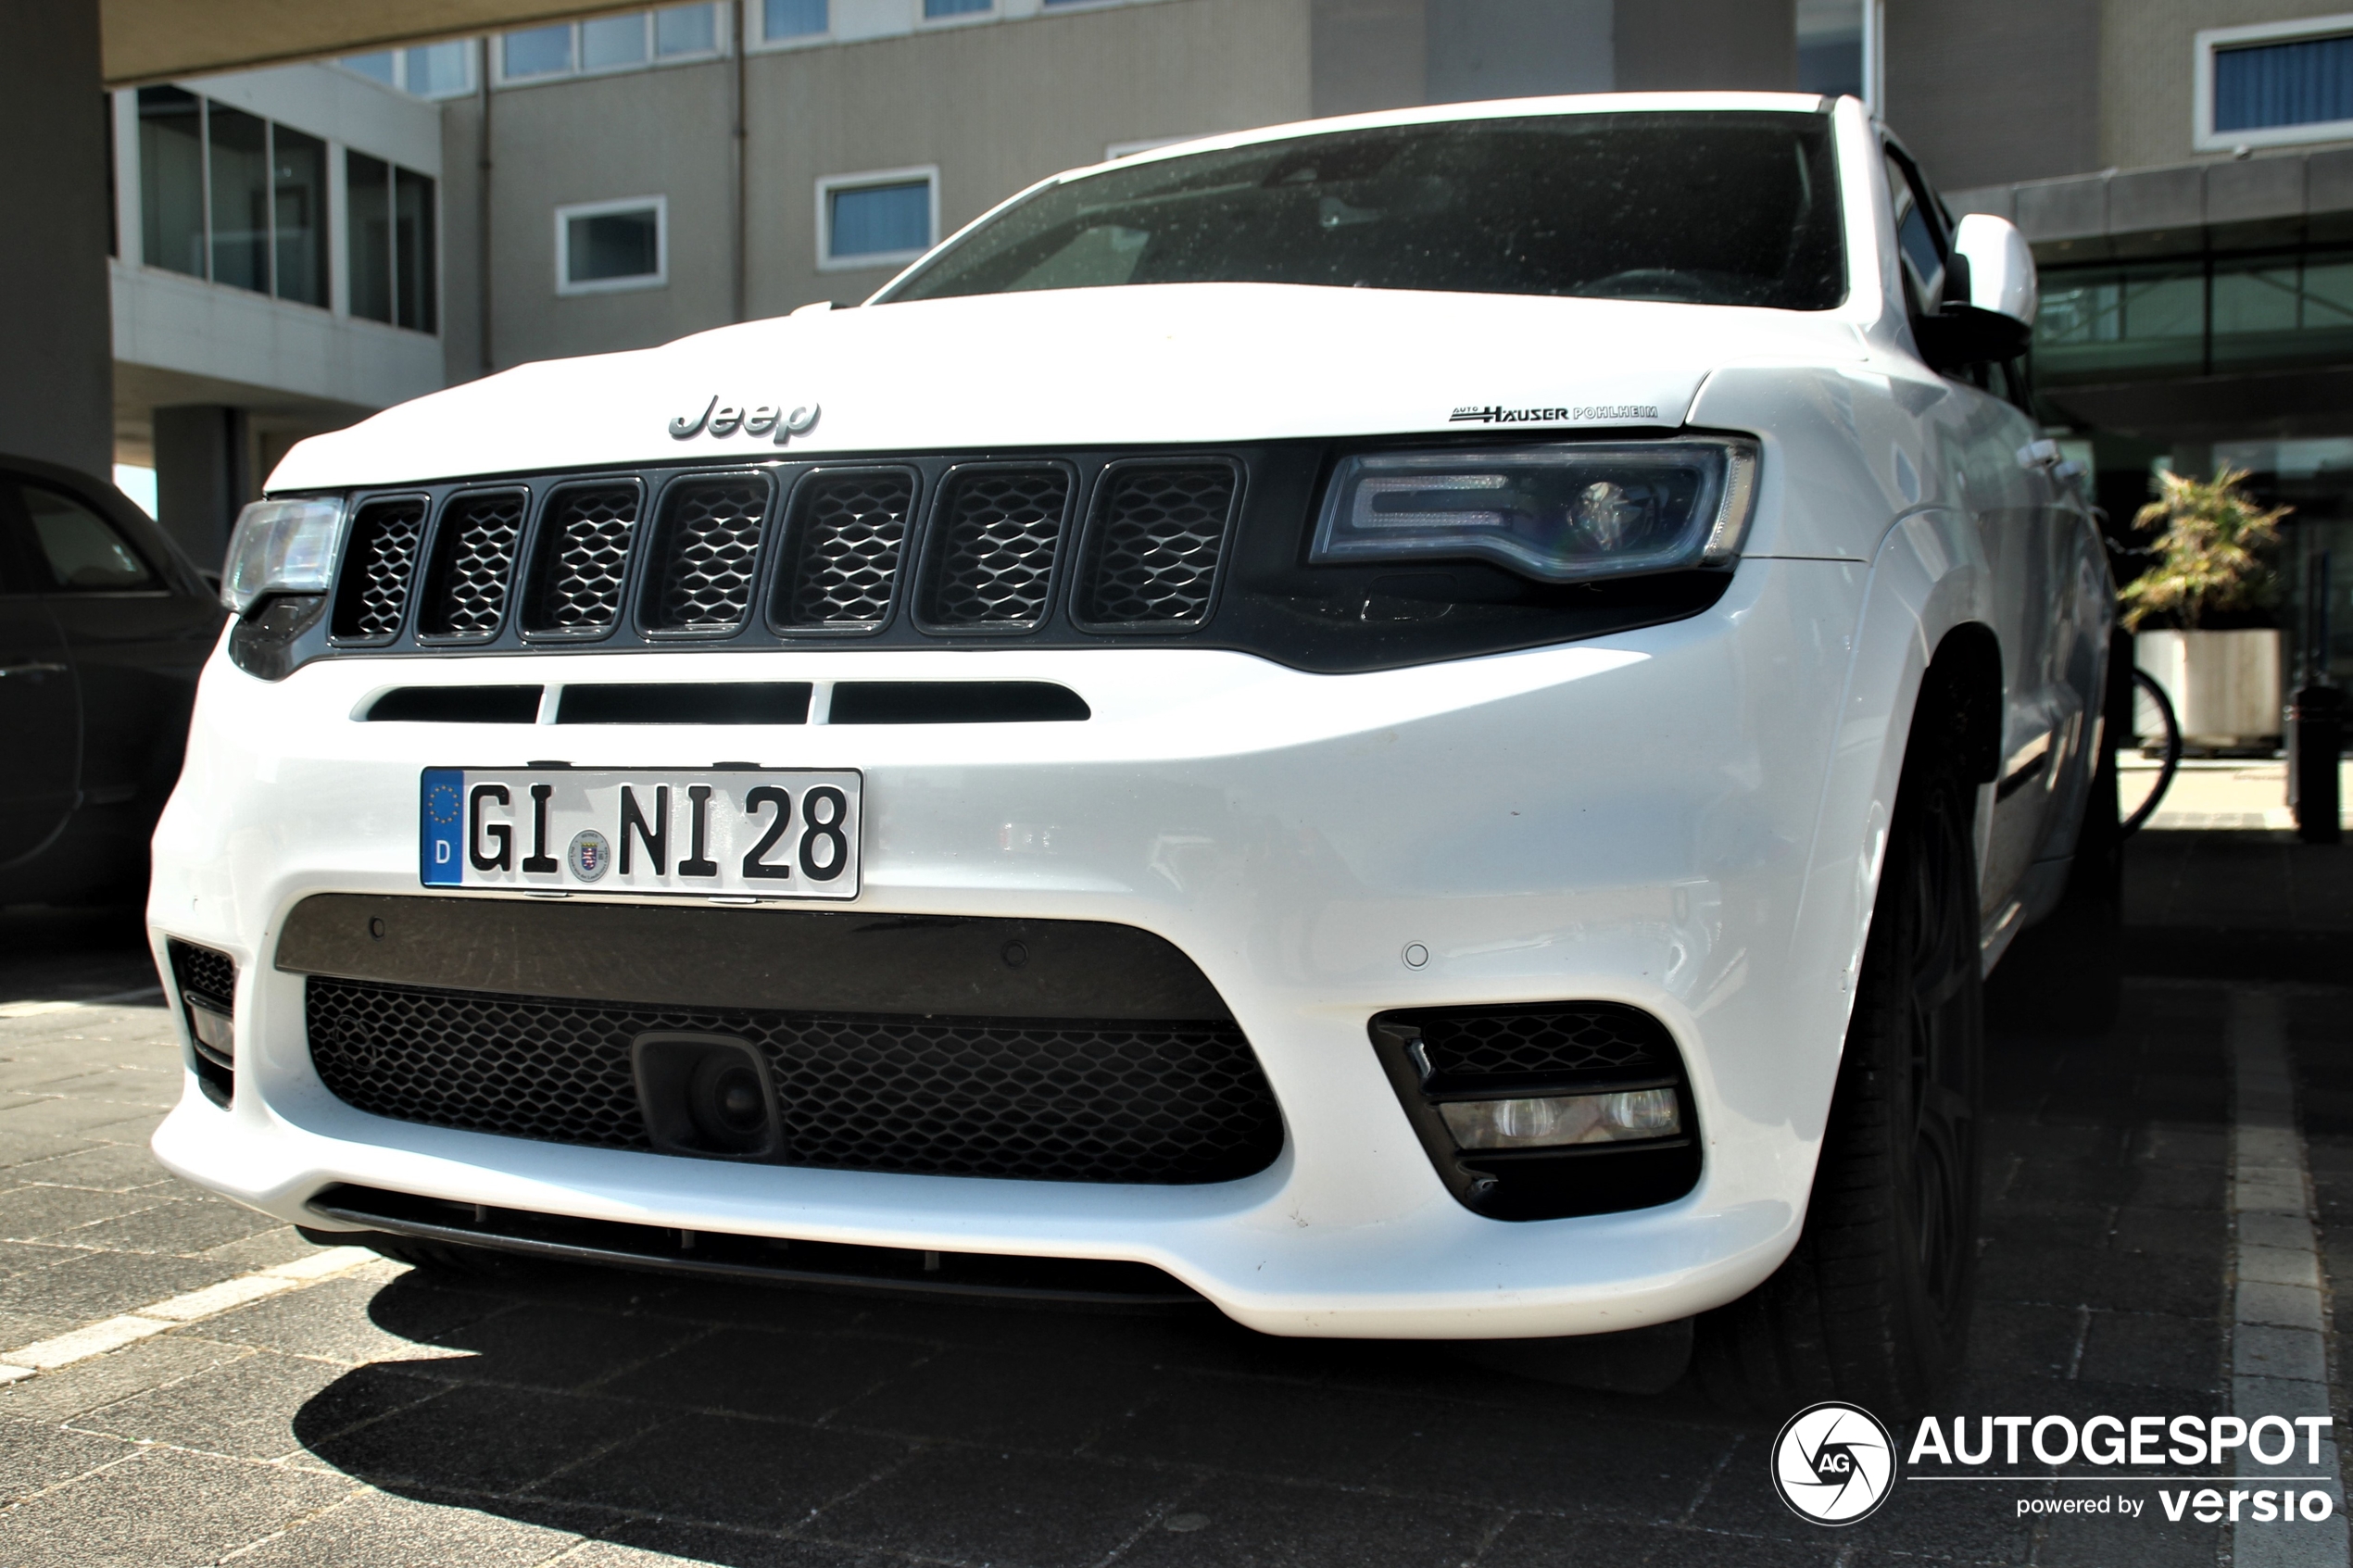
(444, 824)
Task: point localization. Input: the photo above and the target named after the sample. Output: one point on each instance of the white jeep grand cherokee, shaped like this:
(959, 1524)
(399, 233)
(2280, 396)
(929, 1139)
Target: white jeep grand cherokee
(1417, 725)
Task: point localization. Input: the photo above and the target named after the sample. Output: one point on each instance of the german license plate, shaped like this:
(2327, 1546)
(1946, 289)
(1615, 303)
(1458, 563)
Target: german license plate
(770, 834)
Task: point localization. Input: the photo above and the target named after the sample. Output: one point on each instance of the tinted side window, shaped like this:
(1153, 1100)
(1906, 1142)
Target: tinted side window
(81, 550)
(1919, 237)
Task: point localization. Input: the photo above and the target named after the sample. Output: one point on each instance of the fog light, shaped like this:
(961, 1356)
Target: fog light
(1555, 1119)
(213, 1030)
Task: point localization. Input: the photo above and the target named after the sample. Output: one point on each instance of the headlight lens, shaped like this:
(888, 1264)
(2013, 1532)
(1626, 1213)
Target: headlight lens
(1558, 513)
(281, 548)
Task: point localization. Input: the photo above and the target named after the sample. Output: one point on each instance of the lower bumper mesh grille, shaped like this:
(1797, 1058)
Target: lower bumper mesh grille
(1052, 1099)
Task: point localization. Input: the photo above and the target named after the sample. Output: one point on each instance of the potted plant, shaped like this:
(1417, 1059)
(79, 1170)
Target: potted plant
(2212, 538)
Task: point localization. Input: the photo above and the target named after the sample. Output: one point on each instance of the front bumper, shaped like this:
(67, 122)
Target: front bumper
(1631, 819)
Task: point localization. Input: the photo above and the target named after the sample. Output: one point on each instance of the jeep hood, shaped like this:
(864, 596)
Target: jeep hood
(1173, 363)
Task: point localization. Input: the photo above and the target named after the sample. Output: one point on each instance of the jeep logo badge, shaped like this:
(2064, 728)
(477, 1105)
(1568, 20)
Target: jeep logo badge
(727, 420)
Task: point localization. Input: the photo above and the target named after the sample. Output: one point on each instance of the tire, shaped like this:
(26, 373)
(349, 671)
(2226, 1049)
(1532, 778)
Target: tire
(1873, 1305)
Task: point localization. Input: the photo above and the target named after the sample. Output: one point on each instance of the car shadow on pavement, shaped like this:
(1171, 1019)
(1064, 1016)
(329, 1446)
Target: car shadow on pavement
(743, 1426)
(722, 1423)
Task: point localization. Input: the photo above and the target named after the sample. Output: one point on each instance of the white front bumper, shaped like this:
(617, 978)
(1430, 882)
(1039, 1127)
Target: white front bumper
(1631, 819)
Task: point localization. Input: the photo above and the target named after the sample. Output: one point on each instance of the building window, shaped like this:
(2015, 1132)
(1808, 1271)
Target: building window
(602, 248)
(171, 179)
(232, 197)
(391, 224)
(885, 218)
(544, 51)
(629, 42)
(2276, 83)
(786, 20)
(298, 214)
(430, 71)
(936, 9)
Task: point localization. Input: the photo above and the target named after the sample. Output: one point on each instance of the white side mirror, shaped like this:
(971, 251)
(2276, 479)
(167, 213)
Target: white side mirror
(2001, 267)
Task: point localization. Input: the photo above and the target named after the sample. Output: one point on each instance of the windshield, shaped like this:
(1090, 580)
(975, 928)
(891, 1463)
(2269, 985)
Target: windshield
(1709, 208)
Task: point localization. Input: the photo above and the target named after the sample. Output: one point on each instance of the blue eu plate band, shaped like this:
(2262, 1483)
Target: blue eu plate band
(442, 819)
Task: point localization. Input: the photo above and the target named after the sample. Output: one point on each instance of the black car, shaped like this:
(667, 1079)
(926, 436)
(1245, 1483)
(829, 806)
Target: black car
(104, 627)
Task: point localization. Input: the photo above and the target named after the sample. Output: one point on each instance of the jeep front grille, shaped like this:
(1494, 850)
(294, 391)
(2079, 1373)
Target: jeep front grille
(473, 558)
(706, 554)
(848, 530)
(1055, 1100)
(584, 551)
(1075, 547)
(372, 595)
(999, 533)
(1155, 550)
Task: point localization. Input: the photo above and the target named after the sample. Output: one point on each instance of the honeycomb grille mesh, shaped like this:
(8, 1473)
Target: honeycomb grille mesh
(584, 545)
(475, 551)
(993, 559)
(376, 569)
(201, 970)
(1551, 1042)
(1155, 550)
(1056, 1100)
(711, 548)
(850, 528)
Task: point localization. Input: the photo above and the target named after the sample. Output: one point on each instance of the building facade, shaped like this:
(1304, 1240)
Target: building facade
(275, 272)
(2184, 167)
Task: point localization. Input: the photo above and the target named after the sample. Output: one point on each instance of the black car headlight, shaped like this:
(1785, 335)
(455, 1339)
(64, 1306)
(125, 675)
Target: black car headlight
(1560, 513)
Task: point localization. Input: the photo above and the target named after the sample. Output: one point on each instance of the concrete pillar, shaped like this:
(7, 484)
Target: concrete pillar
(201, 477)
(57, 335)
(1517, 48)
(1666, 45)
(1365, 55)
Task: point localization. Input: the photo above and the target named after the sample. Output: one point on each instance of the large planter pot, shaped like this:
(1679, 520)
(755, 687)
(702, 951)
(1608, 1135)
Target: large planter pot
(2224, 686)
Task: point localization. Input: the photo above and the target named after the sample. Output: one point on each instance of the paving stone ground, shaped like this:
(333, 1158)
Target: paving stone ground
(604, 1419)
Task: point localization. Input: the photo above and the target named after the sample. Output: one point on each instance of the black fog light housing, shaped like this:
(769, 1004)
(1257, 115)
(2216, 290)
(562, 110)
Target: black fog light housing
(709, 1095)
(207, 984)
(1545, 1110)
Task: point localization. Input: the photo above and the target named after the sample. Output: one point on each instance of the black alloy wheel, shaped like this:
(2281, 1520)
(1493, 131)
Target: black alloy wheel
(1873, 1305)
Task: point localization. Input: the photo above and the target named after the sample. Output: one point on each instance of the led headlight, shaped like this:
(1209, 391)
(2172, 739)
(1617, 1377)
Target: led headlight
(1560, 513)
(281, 548)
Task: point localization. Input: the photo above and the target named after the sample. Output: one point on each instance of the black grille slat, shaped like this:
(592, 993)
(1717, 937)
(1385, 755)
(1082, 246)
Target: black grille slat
(992, 556)
(1112, 1101)
(710, 547)
(1156, 546)
(473, 561)
(584, 553)
(849, 531)
(378, 563)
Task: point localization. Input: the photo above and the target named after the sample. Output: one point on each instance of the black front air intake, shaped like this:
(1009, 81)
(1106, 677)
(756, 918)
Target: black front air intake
(1054, 1099)
(1546, 1051)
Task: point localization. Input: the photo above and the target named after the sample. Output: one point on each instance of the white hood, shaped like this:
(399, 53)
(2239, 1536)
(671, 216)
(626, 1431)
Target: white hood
(1195, 362)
